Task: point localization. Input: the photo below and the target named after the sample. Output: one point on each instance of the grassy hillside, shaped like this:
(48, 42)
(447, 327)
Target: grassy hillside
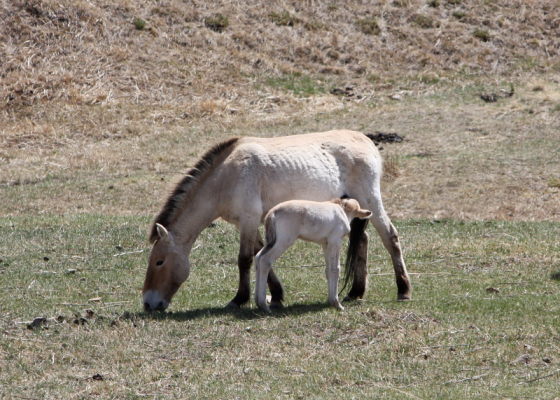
(147, 62)
(106, 103)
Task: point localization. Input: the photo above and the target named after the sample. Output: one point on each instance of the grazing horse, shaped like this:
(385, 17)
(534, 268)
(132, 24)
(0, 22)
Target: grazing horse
(241, 179)
(325, 223)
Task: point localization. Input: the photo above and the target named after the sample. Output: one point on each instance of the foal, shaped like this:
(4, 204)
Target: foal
(324, 223)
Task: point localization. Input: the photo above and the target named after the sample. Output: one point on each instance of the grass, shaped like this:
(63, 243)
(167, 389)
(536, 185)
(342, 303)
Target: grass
(425, 21)
(218, 22)
(87, 157)
(459, 14)
(298, 85)
(482, 34)
(369, 26)
(453, 340)
(139, 23)
(465, 151)
(283, 18)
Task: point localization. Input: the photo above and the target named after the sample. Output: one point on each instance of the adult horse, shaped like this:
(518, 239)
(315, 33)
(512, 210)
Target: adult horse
(241, 179)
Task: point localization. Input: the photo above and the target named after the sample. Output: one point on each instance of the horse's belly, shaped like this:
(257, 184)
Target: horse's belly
(319, 188)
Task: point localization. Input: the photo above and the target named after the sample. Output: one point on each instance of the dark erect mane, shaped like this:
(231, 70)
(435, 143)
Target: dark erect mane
(177, 200)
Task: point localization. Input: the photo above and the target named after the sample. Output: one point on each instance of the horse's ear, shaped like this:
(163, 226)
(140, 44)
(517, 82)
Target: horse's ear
(364, 214)
(163, 233)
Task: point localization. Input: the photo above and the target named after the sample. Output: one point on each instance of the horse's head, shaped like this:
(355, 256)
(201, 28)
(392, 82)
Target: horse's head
(352, 208)
(168, 268)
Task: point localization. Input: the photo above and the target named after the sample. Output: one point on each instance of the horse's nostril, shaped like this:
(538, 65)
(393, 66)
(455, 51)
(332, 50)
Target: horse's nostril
(147, 306)
(160, 306)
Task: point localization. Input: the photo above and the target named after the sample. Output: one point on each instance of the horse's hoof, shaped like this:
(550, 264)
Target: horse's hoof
(403, 297)
(348, 298)
(277, 305)
(231, 304)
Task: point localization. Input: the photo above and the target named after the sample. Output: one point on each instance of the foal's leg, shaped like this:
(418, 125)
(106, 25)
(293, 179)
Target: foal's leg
(264, 262)
(274, 283)
(259, 280)
(332, 259)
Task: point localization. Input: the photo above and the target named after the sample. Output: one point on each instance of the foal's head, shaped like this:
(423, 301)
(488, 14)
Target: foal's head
(168, 268)
(352, 209)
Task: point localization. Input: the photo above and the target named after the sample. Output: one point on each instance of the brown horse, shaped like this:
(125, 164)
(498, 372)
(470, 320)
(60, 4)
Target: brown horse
(241, 179)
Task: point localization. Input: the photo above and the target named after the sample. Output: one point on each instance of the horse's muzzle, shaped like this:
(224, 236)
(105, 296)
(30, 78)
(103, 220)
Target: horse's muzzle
(153, 302)
(160, 307)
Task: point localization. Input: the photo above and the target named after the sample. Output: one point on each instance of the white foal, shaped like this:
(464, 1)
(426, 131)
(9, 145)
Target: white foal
(324, 223)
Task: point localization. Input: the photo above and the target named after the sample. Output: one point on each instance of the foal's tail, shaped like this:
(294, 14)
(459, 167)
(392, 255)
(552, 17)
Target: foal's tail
(357, 228)
(270, 232)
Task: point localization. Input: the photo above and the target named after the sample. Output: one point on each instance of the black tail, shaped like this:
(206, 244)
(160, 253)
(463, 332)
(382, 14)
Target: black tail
(357, 229)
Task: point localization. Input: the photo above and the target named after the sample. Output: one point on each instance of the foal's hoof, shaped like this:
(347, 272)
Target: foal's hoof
(338, 306)
(265, 309)
(403, 297)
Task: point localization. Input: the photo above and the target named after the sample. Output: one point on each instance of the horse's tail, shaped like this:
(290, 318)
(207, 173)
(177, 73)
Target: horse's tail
(270, 231)
(357, 229)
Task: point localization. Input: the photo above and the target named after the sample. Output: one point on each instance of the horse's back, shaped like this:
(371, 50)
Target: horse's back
(314, 166)
(332, 141)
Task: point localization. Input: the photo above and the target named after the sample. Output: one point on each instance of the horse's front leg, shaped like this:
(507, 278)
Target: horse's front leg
(247, 241)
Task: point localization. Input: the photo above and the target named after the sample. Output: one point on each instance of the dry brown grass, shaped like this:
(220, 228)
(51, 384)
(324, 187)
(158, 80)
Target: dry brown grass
(72, 54)
(90, 101)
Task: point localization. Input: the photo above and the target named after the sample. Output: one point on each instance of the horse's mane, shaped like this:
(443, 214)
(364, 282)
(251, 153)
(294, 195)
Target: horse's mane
(184, 189)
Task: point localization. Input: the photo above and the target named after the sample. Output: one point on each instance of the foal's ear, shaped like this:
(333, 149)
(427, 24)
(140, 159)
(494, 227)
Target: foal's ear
(163, 233)
(364, 214)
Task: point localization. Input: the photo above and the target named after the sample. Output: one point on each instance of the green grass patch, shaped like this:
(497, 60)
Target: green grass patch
(283, 18)
(299, 85)
(456, 339)
(139, 23)
(369, 26)
(554, 182)
(218, 22)
(459, 14)
(425, 21)
(482, 34)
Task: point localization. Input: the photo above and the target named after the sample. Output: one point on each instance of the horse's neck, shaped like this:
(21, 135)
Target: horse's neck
(196, 216)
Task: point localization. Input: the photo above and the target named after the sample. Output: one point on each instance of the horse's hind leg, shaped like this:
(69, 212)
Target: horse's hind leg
(274, 283)
(390, 238)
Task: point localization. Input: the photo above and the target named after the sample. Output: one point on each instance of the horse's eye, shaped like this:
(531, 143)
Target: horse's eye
(159, 262)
